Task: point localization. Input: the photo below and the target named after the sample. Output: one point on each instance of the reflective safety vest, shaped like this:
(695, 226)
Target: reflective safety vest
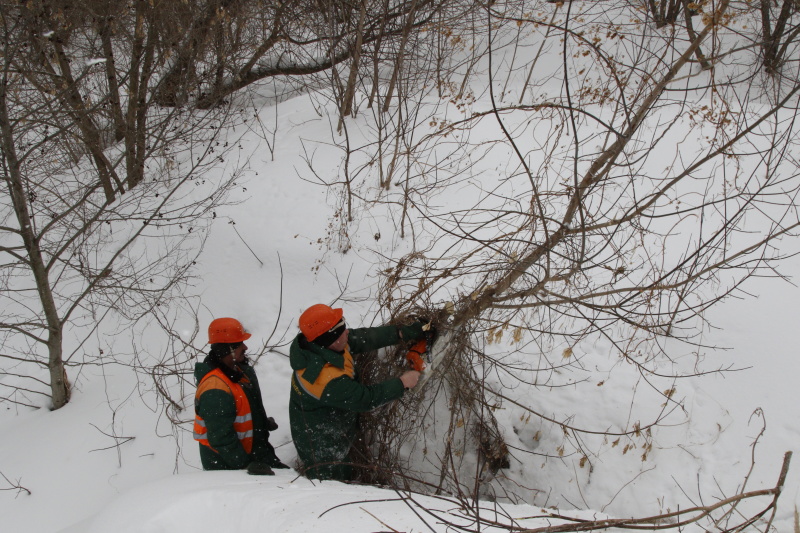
(242, 424)
(326, 375)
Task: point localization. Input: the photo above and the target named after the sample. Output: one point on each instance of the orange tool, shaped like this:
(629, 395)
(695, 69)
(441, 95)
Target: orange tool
(414, 355)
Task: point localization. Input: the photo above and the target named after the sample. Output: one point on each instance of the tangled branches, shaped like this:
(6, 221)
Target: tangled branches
(435, 438)
(458, 512)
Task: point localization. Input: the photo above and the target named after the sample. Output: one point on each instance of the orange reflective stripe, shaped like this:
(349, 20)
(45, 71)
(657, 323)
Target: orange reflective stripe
(200, 431)
(326, 375)
(212, 381)
(242, 424)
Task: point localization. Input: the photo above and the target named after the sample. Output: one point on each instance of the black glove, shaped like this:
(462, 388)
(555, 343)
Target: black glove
(426, 328)
(411, 332)
(271, 424)
(259, 469)
(430, 333)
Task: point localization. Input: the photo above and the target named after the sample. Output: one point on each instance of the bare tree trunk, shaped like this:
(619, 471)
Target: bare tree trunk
(111, 76)
(93, 139)
(375, 93)
(664, 11)
(400, 53)
(350, 90)
(58, 376)
(141, 71)
(704, 64)
(772, 36)
(174, 86)
(63, 81)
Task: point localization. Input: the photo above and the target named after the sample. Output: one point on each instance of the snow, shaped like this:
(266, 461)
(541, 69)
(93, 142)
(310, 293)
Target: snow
(110, 462)
(79, 482)
(284, 502)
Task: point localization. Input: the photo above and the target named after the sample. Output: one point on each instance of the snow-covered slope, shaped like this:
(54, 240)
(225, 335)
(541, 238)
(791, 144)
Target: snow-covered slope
(111, 462)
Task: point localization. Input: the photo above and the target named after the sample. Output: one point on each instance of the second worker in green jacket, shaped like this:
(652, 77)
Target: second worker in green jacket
(327, 395)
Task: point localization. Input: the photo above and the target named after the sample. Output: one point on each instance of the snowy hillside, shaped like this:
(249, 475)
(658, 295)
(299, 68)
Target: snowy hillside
(67, 459)
(120, 457)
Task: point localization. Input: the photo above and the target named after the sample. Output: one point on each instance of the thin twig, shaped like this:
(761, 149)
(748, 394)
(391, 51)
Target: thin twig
(14, 486)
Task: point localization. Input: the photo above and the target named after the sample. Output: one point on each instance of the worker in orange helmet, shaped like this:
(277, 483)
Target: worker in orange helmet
(231, 423)
(326, 394)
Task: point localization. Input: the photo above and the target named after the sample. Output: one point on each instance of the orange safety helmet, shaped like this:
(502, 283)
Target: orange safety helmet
(318, 319)
(227, 330)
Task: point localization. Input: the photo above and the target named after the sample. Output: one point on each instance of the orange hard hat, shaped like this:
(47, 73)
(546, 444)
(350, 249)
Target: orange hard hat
(227, 330)
(318, 319)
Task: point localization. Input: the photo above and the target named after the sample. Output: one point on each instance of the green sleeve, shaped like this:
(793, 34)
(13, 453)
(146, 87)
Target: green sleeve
(363, 340)
(346, 393)
(218, 409)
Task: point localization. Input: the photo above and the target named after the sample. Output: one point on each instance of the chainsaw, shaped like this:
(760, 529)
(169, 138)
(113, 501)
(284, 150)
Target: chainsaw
(416, 355)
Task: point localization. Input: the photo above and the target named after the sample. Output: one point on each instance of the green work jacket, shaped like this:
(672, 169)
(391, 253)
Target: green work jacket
(327, 395)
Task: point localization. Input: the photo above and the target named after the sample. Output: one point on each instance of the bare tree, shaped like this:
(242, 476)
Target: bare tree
(107, 90)
(296, 38)
(779, 33)
(665, 12)
(89, 174)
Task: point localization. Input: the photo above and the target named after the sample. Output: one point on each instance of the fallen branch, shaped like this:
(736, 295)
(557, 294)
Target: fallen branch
(119, 440)
(675, 520)
(14, 485)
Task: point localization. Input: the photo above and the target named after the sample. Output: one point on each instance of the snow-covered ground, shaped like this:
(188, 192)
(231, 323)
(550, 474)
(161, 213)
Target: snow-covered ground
(79, 481)
(111, 462)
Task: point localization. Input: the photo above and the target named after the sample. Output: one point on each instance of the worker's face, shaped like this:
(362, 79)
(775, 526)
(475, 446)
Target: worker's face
(236, 356)
(238, 353)
(339, 344)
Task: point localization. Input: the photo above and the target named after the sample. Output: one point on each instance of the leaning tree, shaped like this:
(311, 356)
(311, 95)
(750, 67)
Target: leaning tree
(627, 166)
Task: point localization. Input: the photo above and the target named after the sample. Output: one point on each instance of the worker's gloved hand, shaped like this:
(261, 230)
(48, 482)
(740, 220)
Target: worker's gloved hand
(259, 469)
(411, 332)
(421, 326)
(427, 328)
(271, 424)
(430, 333)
